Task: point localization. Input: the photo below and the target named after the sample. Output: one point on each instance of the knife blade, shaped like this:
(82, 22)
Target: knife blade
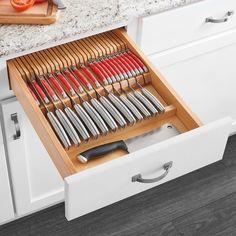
(162, 133)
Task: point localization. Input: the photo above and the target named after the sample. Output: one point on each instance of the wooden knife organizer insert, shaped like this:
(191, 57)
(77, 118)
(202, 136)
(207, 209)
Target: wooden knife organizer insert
(79, 52)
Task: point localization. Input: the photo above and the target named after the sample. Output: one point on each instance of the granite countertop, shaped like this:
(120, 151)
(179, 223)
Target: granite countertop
(80, 16)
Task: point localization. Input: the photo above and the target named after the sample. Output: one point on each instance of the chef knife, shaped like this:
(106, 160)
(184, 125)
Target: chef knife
(166, 131)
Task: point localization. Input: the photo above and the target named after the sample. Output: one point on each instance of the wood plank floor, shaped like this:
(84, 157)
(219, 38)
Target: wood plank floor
(200, 203)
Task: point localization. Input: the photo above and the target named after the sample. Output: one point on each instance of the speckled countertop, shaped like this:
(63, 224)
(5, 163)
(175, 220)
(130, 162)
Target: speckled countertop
(80, 16)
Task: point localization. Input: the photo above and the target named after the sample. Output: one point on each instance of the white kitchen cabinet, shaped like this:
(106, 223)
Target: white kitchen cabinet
(204, 73)
(35, 180)
(111, 177)
(6, 202)
(185, 24)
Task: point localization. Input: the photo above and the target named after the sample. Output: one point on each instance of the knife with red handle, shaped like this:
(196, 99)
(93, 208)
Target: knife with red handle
(40, 91)
(125, 71)
(115, 65)
(111, 77)
(138, 61)
(64, 81)
(110, 68)
(100, 75)
(104, 72)
(131, 60)
(58, 87)
(48, 88)
(33, 95)
(128, 69)
(82, 78)
(72, 78)
(90, 75)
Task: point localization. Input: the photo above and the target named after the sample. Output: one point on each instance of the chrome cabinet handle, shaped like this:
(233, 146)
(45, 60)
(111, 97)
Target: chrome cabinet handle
(14, 118)
(140, 179)
(222, 20)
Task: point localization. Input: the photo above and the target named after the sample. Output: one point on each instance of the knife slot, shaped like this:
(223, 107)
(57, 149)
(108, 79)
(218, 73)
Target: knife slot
(91, 47)
(78, 52)
(108, 49)
(96, 41)
(98, 47)
(48, 56)
(117, 40)
(112, 47)
(62, 57)
(49, 66)
(37, 70)
(65, 49)
(118, 45)
(43, 68)
(63, 52)
(58, 60)
(82, 47)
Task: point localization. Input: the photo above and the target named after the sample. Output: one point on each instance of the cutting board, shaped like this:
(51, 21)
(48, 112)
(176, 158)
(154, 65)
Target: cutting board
(44, 13)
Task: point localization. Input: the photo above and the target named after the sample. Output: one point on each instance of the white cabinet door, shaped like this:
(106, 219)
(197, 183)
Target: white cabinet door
(36, 181)
(6, 204)
(204, 74)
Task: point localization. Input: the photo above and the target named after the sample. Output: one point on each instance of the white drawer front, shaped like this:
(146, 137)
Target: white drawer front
(108, 183)
(175, 27)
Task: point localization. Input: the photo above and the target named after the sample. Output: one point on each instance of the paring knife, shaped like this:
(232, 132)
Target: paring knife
(166, 131)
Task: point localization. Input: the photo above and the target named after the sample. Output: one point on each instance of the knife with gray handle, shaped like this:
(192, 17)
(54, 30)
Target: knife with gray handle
(122, 108)
(68, 127)
(146, 102)
(96, 117)
(59, 130)
(104, 113)
(138, 104)
(87, 120)
(77, 123)
(131, 106)
(154, 100)
(113, 111)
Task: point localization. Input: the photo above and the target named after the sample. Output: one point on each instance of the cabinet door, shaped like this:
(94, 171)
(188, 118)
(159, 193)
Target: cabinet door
(6, 204)
(204, 75)
(36, 181)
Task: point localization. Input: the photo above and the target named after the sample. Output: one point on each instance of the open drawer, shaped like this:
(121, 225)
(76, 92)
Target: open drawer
(110, 178)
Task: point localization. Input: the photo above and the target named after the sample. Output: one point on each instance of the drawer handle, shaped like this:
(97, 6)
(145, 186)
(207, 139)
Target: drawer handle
(222, 20)
(14, 118)
(166, 167)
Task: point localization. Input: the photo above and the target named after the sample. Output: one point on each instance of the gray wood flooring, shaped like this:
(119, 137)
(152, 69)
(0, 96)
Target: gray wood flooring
(200, 203)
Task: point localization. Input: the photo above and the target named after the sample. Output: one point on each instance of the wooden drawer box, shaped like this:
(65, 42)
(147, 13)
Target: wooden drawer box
(186, 24)
(105, 180)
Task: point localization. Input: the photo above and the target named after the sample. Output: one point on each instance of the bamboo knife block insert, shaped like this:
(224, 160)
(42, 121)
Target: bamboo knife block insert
(74, 56)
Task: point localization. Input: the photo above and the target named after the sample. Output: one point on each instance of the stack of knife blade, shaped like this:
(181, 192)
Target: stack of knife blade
(90, 88)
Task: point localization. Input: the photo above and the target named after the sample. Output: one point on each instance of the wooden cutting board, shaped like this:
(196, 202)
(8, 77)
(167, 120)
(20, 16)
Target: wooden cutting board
(44, 13)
